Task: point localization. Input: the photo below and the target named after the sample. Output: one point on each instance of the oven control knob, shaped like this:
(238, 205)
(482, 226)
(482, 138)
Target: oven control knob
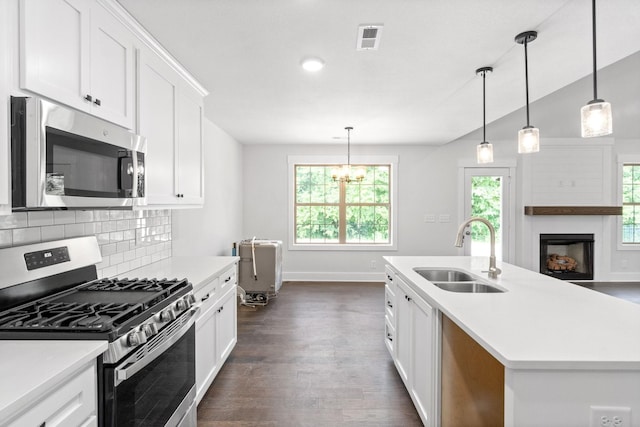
(167, 315)
(136, 338)
(191, 299)
(149, 329)
(181, 305)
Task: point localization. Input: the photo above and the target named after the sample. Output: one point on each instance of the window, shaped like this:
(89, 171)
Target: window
(339, 215)
(631, 203)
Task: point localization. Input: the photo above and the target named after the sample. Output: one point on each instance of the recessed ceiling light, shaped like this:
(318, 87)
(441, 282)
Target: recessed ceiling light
(312, 64)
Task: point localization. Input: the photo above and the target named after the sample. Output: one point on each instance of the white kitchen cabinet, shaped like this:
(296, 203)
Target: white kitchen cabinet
(170, 117)
(206, 337)
(216, 329)
(77, 53)
(5, 76)
(414, 356)
(226, 326)
(72, 402)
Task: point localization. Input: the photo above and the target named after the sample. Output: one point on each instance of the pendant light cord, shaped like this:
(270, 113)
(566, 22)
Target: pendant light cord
(348, 145)
(526, 77)
(595, 69)
(484, 109)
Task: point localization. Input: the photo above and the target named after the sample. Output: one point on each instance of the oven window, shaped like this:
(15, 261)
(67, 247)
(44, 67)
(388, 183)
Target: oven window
(151, 396)
(78, 166)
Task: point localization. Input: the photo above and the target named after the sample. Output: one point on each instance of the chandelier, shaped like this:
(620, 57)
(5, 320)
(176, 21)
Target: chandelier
(344, 173)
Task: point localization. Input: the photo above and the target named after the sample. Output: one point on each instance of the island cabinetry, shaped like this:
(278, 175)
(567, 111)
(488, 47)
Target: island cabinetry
(170, 117)
(71, 402)
(77, 53)
(414, 357)
(389, 310)
(216, 330)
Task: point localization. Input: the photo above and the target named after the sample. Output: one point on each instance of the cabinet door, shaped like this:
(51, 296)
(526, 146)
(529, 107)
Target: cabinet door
(403, 330)
(190, 154)
(157, 97)
(205, 351)
(226, 331)
(422, 357)
(111, 68)
(54, 49)
(6, 57)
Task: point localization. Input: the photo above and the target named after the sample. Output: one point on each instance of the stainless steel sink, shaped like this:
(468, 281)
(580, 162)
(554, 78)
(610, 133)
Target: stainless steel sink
(473, 287)
(444, 275)
(456, 281)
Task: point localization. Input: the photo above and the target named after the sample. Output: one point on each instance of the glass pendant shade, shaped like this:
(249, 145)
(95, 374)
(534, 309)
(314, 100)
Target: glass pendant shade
(484, 153)
(596, 119)
(528, 140)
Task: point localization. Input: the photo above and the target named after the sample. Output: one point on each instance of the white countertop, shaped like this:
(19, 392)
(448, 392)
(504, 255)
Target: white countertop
(28, 368)
(540, 322)
(197, 269)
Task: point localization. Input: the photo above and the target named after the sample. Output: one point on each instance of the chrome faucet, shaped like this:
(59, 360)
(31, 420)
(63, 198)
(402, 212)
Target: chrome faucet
(493, 270)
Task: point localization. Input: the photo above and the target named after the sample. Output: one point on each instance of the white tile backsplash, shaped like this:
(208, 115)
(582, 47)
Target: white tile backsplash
(127, 239)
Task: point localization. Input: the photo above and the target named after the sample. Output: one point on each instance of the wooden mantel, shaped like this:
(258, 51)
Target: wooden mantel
(573, 210)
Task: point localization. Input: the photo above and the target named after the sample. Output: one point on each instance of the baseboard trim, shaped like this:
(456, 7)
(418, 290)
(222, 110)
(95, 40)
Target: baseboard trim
(339, 276)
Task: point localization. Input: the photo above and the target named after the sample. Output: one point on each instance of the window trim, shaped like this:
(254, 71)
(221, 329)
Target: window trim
(623, 160)
(338, 160)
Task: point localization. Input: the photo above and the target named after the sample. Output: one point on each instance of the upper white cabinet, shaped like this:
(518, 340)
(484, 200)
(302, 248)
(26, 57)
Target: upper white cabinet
(170, 117)
(5, 61)
(77, 53)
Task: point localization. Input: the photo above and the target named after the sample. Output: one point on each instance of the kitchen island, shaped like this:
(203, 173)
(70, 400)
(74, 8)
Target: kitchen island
(563, 349)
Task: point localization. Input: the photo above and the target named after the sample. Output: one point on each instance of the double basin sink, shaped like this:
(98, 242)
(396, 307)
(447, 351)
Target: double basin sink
(456, 281)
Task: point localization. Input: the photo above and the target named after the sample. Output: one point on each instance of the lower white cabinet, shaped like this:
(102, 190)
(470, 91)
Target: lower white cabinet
(72, 402)
(216, 328)
(414, 348)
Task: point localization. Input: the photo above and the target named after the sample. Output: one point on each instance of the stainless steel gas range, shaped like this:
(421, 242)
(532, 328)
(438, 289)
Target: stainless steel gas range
(147, 375)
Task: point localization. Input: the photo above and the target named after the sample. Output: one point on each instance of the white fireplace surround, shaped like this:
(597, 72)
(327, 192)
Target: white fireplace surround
(569, 172)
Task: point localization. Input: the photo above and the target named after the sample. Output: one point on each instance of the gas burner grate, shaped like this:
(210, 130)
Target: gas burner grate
(142, 285)
(68, 315)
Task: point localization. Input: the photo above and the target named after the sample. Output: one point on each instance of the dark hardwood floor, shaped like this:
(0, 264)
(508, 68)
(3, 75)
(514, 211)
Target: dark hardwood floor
(314, 356)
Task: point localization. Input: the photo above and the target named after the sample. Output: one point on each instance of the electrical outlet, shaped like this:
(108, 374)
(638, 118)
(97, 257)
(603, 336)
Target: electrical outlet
(610, 416)
(429, 218)
(373, 264)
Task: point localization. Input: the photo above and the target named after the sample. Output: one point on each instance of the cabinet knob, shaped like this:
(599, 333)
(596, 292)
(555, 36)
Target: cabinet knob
(97, 102)
(88, 98)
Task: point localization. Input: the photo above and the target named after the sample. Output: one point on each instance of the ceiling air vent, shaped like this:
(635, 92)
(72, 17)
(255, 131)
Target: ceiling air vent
(369, 36)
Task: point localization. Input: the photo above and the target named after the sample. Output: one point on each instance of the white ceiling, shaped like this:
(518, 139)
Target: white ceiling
(420, 87)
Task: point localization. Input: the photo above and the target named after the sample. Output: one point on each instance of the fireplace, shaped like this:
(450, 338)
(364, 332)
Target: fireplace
(567, 256)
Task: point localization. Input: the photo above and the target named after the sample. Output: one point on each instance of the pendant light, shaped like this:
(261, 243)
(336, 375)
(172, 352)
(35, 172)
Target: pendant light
(484, 149)
(528, 136)
(596, 115)
(343, 174)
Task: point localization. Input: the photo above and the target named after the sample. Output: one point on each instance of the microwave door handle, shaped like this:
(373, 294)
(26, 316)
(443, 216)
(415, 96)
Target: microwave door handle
(122, 374)
(127, 172)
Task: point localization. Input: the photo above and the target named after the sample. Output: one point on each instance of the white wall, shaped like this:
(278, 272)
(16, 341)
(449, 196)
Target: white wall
(212, 229)
(428, 180)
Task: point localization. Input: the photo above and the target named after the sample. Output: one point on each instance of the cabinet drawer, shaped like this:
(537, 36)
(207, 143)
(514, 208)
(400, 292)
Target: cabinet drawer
(71, 403)
(390, 278)
(227, 279)
(205, 295)
(389, 335)
(389, 303)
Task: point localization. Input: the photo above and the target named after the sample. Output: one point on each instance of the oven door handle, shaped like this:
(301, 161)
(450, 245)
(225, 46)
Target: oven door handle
(133, 367)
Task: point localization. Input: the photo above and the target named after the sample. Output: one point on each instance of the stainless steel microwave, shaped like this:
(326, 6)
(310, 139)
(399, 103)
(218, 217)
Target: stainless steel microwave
(63, 158)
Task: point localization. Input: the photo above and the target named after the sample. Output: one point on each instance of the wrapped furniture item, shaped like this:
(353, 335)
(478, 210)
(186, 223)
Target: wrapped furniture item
(260, 269)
